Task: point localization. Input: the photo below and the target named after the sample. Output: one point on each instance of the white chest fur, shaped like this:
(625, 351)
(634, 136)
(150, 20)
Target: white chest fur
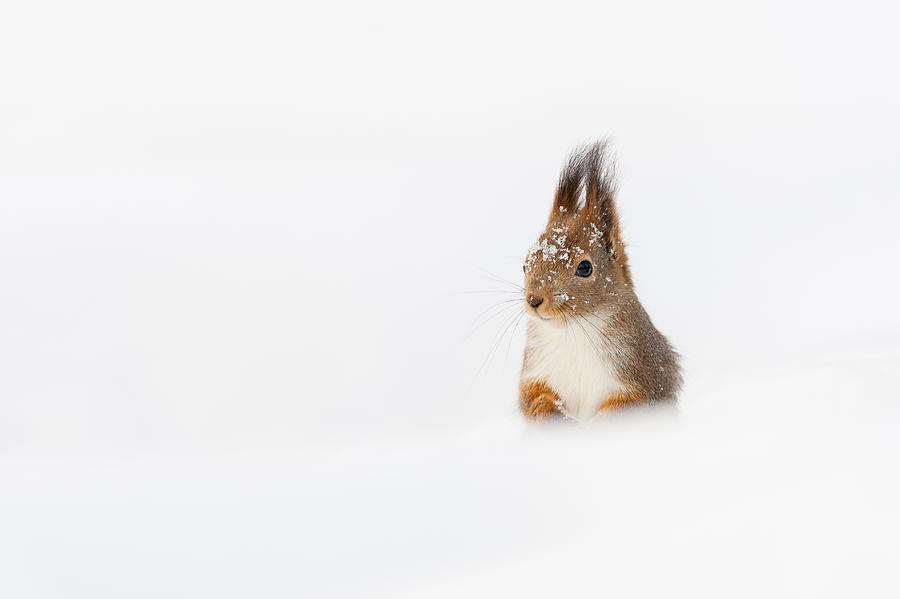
(575, 363)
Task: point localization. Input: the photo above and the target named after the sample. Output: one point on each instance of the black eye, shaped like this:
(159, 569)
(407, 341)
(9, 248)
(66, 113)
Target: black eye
(584, 269)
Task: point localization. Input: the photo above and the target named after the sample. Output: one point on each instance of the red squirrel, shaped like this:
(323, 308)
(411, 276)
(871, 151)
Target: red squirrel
(590, 346)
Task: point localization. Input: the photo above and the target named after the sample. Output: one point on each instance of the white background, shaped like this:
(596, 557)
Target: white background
(244, 248)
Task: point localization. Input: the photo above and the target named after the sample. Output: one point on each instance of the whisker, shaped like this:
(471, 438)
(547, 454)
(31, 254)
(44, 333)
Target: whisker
(504, 291)
(609, 345)
(497, 309)
(513, 334)
(587, 335)
(512, 325)
(494, 345)
(500, 279)
(599, 330)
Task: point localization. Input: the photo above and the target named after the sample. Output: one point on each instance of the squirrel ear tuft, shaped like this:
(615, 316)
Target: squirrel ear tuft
(587, 188)
(587, 180)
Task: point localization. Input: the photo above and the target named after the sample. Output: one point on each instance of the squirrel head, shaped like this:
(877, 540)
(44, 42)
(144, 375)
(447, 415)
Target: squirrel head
(578, 265)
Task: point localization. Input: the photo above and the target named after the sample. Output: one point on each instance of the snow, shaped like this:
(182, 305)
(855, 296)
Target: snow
(763, 483)
(261, 323)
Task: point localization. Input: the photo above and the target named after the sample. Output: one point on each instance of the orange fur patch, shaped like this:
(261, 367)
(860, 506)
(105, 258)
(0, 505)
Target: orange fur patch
(622, 399)
(537, 400)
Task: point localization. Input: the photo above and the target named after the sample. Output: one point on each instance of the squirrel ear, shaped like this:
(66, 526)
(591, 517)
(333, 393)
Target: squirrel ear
(571, 184)
(586, 180)
(605, 216)
(597, 174)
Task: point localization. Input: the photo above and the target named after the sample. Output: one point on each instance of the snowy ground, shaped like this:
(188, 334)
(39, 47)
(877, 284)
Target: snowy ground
(764, 483)
(251, 344)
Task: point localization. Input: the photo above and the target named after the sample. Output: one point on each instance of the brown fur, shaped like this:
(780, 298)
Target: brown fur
(538, 401)
(622, 399)
(584, 225)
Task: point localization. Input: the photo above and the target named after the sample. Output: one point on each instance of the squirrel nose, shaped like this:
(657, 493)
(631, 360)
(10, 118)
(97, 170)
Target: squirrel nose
(534, 302)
